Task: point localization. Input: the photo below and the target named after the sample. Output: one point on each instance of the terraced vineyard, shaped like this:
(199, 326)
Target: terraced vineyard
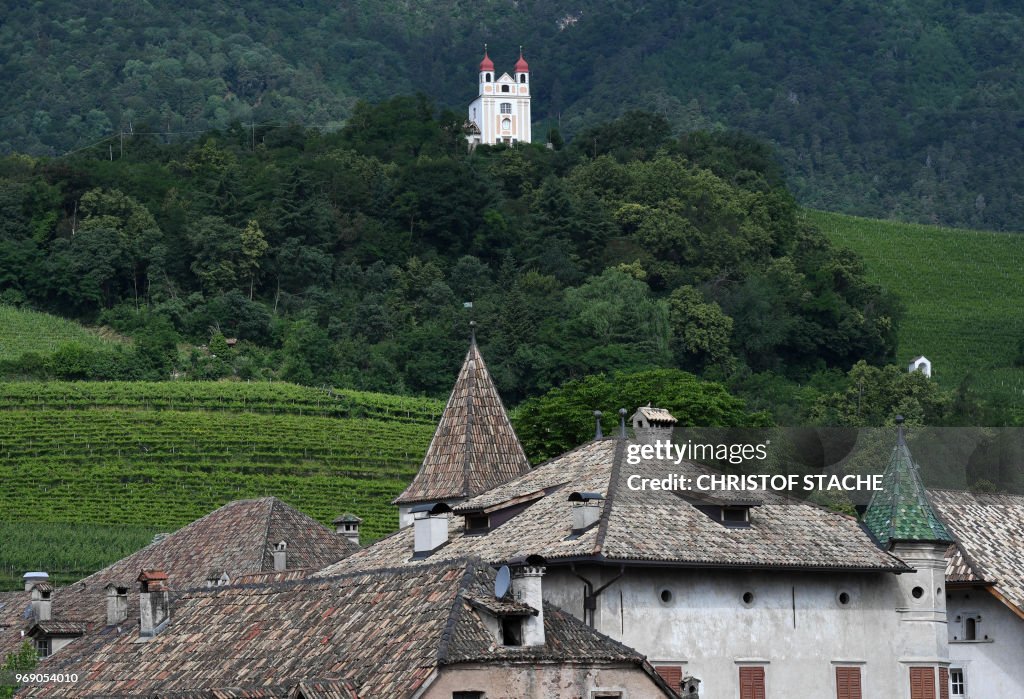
(29, 331)
(154, 456)
(963, 291)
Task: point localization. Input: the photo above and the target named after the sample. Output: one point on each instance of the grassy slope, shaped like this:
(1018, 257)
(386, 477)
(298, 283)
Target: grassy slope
(30, 331)
(963, 291)
(154, 456)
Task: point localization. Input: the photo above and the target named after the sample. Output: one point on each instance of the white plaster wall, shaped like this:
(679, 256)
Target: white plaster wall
(708, 629)
(542, 681)
(993, 668)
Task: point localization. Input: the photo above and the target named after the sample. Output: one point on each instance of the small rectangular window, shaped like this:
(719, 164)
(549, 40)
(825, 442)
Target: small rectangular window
(467, 695)
(848, 683)
(504, 88)
(734, 514)
(43, 647)
(506, 107)
(922, 683)
(752, 682)
(672, 674)
(957, 686)
(511, 631)
(477, 522)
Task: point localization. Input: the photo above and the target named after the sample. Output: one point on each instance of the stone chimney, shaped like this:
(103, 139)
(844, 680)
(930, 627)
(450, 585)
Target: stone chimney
(348, 526)
(154, 602)
(33, 577)
(42, 602)
(281, 556)
(586, 509)
(430, 527)
(652, 425)
(527, 587)
(117, 603)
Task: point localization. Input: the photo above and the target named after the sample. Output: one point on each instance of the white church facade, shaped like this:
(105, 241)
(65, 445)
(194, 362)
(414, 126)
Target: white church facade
(501, 111)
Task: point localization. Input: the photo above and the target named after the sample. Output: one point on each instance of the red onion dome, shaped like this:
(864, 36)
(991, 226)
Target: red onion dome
(487, 64)
(521, 65)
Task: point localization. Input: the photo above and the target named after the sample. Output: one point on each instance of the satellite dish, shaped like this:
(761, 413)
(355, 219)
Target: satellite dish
(502, 582)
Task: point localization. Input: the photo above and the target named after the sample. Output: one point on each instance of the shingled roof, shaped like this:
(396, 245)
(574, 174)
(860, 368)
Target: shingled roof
(651, 527)
(989, 532)
(474, 447)
(374, 633)
(900, 511)
(237, 538)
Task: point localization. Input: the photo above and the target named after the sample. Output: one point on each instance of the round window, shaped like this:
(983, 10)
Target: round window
(748, 598)
(506, 124)
(844, 598)
(666, 596)
(917, 592)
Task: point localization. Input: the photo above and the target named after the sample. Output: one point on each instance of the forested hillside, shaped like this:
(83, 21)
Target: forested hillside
(902, 110)
(346, 259)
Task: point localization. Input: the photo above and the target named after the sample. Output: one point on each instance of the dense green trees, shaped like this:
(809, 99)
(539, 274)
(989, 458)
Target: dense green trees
(907, 111)
(347, 258)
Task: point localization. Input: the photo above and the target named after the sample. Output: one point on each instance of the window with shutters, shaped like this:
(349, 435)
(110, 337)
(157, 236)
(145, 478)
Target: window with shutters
(672, 674)
(943, 683)
(922, 683)
(752, 683)
(848, 683)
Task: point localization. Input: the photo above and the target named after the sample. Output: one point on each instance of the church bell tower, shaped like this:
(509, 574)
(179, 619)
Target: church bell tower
(501, 111)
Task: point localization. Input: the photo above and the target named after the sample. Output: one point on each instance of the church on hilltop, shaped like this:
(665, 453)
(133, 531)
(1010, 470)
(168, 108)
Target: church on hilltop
(501, 111)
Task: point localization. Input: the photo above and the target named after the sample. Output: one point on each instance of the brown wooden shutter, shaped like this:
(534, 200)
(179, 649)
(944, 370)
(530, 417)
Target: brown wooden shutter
(752, 683)
(672, 674)
(922, 683)
(848, 683)
(943, 683)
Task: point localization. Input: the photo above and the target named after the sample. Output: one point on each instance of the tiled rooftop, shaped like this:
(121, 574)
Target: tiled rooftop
(237, 538)
(989, 529)
(644, 527)
(474, 447)
(375, 633)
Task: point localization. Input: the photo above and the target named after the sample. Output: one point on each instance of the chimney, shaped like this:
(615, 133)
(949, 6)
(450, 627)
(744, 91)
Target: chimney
(348, 526)
(528, 588)
(33, 577)
(652, 425)
(281, 556)
(41, 601)
(117, 604)
(154, 602)
(586, 509)
(430, 527)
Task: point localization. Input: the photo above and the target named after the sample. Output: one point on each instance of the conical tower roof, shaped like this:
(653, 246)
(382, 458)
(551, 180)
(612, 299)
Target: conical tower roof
(474, 447)
(901, 511)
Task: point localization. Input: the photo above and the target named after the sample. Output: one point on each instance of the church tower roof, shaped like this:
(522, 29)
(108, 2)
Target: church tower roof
(486, 64)
(901, 511)
(474, 447)
(521, 65)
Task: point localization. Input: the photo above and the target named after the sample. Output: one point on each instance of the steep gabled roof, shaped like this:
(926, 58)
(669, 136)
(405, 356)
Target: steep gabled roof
(237, 538)
(372, 633)
(989, 529)
(651, 527)
(901, 511)
(474, 447)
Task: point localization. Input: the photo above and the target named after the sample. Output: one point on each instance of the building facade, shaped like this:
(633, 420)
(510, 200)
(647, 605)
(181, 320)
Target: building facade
(501, 111)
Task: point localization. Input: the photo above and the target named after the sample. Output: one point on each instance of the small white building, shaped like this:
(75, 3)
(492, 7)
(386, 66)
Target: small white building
(922, 364)
(501, 112)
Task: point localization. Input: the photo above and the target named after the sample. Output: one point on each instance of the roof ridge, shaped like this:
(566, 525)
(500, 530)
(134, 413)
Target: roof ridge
(455, 613)
(470, 394)
(609, 498)
(266, 535)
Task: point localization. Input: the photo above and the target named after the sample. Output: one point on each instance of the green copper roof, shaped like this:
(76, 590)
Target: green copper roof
(900, 511)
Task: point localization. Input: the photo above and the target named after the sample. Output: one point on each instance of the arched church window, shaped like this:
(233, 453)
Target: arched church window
(487, 77)
(970, 629)
(522, 78)
(506, 107)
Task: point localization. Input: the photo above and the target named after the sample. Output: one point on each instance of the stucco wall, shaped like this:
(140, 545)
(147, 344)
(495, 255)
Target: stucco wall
(795, 625)
(542, 682)
(994, 667)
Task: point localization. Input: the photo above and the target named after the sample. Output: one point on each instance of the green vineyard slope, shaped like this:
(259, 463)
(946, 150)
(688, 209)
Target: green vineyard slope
(155, 456)
(962, 291)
